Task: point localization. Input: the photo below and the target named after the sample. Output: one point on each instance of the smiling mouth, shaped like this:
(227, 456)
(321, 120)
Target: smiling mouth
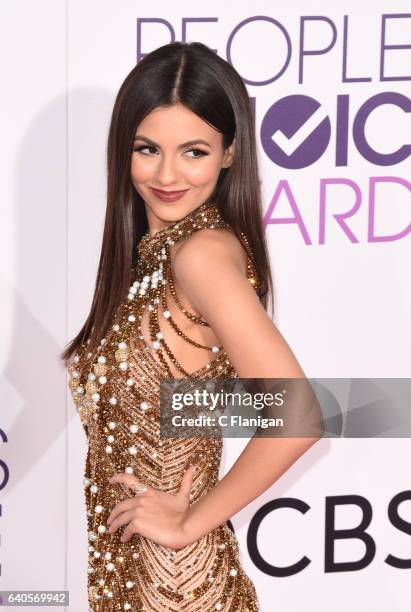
(169, 192)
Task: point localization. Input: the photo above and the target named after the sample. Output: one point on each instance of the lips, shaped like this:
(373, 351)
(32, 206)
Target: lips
(168, 196)
(162, 191)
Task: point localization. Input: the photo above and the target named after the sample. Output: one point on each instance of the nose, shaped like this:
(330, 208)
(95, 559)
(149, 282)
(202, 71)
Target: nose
(167, 170)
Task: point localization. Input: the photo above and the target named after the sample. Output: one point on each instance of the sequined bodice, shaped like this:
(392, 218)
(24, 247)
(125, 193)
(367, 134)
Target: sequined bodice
(116, 392)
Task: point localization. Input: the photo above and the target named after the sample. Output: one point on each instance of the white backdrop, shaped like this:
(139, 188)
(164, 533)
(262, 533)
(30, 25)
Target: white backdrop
(343, 302)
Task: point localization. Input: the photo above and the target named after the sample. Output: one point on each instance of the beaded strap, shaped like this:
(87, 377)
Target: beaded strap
(188, 314)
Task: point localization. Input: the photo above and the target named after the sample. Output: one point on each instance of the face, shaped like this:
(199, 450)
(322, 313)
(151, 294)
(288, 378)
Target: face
(175, 150)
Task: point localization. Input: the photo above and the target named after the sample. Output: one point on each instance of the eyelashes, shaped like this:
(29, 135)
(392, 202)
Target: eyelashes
(141, 148)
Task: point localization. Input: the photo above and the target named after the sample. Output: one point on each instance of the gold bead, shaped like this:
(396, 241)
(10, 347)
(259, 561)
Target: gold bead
(91, 387)
(100, 369)
(84, 413)
(121, 354)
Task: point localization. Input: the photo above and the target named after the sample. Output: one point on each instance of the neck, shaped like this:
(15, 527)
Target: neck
(152, 232)
(150, 245)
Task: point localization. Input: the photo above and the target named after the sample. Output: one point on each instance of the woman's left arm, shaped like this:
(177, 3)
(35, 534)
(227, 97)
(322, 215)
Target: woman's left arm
(210, 267)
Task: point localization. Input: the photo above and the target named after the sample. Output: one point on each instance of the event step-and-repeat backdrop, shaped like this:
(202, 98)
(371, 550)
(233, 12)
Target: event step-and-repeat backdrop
(330, 85)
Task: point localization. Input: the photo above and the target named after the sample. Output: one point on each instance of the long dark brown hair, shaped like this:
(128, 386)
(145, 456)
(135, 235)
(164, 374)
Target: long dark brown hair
(193, 75)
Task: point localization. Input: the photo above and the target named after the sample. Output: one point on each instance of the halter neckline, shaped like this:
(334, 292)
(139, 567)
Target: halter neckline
(176, 229)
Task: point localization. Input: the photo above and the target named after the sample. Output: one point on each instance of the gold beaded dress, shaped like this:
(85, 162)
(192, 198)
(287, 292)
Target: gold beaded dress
(116, 393)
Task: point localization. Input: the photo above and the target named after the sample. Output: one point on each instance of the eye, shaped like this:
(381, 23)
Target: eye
(200, 151)
(141, 148)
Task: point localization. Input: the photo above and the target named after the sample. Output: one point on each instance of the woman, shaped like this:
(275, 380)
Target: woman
(182, 290)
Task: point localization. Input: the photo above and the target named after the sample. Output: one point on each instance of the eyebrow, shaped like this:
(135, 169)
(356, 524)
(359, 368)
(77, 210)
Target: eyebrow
(181, 146)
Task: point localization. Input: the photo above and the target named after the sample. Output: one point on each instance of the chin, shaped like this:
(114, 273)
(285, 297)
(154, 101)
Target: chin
(172, 211)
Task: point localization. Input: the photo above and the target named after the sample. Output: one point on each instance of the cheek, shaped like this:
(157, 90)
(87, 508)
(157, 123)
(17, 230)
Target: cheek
(203, 172)
(141, 170)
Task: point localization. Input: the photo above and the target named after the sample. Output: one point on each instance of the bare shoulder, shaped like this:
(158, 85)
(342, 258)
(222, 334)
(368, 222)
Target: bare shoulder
(209, 248)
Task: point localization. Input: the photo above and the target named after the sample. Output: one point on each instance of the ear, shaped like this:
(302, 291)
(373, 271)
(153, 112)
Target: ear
(228, 155)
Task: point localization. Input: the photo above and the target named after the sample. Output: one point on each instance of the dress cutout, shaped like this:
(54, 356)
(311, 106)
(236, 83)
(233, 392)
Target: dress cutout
(116, 393)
